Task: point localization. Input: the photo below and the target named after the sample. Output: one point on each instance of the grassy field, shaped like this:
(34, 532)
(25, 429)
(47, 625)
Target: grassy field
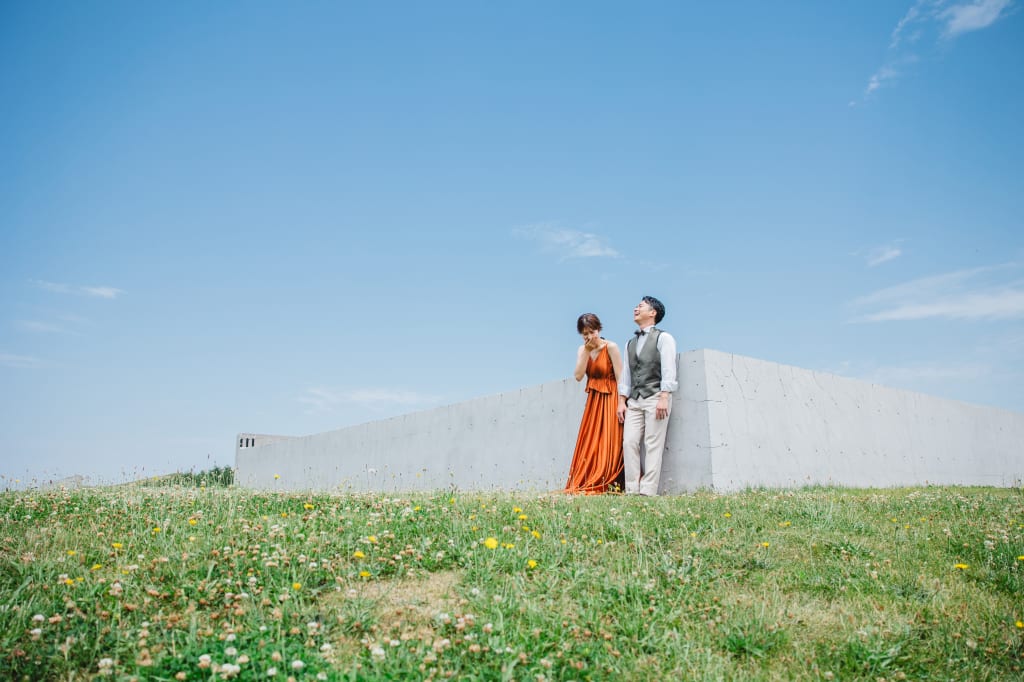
(176, 583)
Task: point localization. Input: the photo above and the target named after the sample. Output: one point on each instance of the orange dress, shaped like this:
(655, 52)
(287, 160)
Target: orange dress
(597, 461)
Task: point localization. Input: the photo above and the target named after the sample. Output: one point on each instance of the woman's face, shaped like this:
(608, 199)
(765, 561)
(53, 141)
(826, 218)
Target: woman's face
(591, 337)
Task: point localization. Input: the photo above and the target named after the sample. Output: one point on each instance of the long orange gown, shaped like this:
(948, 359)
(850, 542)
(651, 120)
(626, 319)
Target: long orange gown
(597, 461)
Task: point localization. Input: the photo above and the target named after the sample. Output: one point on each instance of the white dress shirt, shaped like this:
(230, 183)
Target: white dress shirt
(667, 350)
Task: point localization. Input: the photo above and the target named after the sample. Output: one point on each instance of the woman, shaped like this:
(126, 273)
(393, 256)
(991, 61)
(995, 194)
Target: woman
(597, 461)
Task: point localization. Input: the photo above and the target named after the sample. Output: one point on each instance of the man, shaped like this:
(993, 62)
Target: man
(645, 397)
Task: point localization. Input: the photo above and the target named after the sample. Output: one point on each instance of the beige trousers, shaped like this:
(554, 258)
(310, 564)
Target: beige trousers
(642, 426)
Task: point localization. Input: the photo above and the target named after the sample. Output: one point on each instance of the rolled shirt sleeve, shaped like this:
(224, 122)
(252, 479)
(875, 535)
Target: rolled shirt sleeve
(667, 349)
(625, 381)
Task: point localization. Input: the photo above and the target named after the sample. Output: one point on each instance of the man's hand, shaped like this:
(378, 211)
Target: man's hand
(661, 411)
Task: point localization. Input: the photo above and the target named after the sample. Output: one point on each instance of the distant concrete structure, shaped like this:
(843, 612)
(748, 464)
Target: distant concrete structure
(736, 423)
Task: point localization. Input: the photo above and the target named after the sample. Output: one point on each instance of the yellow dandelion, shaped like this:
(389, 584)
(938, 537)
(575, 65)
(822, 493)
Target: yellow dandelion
(693, 535)
(508, 545)
(894, 520)
(473, 528)
(284, 515)
(358, 555)
(491, 543)
(69, 581)
(765, 544)
(786, 524)
(192, 522)
(372, 539)
(728, 515)
(116, 545)
(156, 530)
(96, 567)
(1020, 623)
(523, 517)
(71, 552)
(531, 564)
(962, 567)
(1020, 558)
(364, 574)
(277, 476)
(307, 506)
(600, 542)
(563, 541)
(296, 586)
(535, 534)
(417, 508)
(516, 510)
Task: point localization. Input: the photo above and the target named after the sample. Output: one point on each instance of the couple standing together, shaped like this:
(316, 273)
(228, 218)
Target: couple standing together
(627, 404)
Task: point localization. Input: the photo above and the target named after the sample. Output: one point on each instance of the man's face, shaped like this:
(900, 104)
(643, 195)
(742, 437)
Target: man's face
(644, 314)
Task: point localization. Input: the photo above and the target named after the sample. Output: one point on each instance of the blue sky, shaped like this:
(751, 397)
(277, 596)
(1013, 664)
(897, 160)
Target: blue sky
(294, 217)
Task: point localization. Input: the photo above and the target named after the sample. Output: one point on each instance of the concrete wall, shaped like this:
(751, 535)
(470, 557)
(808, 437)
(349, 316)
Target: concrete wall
(516, 440)
(778, 426)
(736, 422)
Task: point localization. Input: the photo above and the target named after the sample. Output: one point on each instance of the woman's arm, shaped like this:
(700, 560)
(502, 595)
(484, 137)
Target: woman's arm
(582, 355)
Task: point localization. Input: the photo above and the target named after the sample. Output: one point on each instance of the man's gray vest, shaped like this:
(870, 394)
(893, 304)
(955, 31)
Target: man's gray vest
(645, 368)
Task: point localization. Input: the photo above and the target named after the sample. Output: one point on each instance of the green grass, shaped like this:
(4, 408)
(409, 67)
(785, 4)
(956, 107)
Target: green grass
(166, 582)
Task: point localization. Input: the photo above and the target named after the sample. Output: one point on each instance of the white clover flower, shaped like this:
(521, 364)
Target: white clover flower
(36, 633)
(324, 648)
(271, 672)
(298, 665)
(377, 653)
(231, 651)
(38, 618)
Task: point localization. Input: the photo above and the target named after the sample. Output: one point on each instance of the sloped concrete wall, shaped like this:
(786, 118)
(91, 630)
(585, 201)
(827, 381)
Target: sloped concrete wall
(517, 440)
(736, 422)
(779, 426)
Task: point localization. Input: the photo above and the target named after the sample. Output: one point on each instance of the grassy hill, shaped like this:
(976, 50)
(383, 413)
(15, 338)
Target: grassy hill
(180, 582)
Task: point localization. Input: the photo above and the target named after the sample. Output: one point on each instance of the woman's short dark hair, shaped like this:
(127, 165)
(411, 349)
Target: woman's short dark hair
(588, 321)
(659, 308)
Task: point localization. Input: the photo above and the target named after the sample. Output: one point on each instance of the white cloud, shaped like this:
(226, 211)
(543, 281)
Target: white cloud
(886, 73)
(927, 23)
(322, 399)
(78, 290)
(910, 17)
(883, 254)
(35, 326)
(567, 243)
(901, 376)
(19, 361)
(972, 16)
(972, 294)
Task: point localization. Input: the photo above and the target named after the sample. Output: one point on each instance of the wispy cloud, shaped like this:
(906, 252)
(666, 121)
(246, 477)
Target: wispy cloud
(914, 377)
(78, 290)
(37, 327)
(883, 254)
(985, 293)
(19, 361)
(567, 243)
(926, 24)
(321, 399)
(972, 16)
